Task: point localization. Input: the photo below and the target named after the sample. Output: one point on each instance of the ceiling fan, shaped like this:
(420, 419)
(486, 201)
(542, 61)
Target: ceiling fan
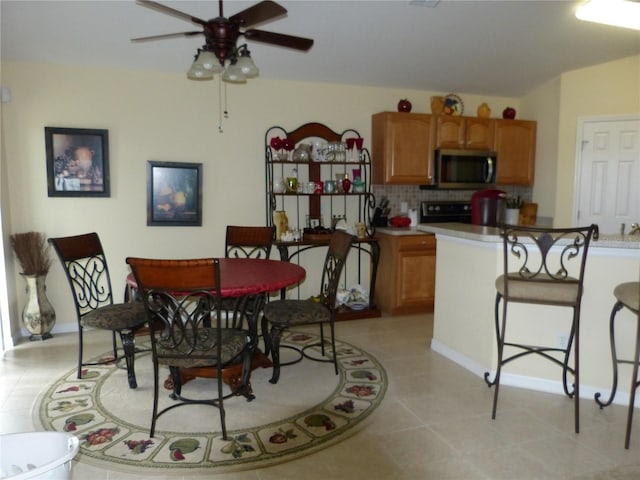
(221, 34)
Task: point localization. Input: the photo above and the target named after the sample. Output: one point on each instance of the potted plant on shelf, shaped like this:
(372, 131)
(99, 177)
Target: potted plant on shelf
(33, 255)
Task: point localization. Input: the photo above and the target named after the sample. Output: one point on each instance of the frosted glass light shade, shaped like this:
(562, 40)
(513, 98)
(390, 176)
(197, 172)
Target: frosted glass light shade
(233, 74)
(247, 66)
(196, 72)
(208, 61)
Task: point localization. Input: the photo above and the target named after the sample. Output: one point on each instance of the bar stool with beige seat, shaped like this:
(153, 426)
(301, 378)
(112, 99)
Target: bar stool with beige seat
(627, 296)
(542, 266)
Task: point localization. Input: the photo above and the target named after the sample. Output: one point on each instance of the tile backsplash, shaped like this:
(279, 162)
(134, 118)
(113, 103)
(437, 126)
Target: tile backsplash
(413, 195)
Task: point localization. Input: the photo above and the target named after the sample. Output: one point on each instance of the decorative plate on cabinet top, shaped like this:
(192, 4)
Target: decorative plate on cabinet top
(453, 105)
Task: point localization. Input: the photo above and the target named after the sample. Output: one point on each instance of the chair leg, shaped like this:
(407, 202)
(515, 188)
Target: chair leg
(501, 335)
(576, 375)
(265, 335)
(223, 423)
(274, 338)
(154, 414)
(333, 346)
(129, 346)
(80, 349)
(614, 357)
(177, 383)
(634, 387)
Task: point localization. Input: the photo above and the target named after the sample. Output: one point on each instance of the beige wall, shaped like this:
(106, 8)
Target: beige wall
(160, 116)
(609, 89)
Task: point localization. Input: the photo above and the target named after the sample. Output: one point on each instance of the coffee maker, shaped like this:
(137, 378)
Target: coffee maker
(487, 207)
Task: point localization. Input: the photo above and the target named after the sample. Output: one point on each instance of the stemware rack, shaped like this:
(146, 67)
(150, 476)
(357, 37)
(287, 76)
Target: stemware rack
(303, 206)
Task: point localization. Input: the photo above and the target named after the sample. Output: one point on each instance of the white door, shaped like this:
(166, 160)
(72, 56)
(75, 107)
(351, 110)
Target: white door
(609, 174)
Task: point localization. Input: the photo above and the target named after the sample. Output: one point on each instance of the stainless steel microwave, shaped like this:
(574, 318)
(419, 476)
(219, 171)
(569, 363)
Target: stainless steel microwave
(465, 169)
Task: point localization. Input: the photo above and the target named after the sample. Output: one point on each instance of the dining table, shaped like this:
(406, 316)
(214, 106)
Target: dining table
(249, 281)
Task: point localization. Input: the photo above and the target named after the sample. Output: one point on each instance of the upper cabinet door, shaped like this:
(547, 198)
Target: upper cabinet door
(516, 147)
(480, 133)
(402, 148)
(450, 132)
(465, 132)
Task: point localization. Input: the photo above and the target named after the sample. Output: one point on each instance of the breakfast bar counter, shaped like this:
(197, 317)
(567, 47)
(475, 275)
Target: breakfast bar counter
(469, 258)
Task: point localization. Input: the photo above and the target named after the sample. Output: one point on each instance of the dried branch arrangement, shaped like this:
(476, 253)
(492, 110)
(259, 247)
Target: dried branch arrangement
(32, 251)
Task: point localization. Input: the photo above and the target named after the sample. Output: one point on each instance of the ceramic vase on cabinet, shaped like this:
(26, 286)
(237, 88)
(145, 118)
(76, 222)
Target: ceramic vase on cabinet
(38, 315)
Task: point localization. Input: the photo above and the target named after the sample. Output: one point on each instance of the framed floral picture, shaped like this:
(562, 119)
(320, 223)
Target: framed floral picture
(77, 162)
(174, 194)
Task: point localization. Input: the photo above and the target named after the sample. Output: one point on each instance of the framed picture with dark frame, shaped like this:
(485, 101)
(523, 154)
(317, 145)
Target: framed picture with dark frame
(77, 162)
(174, 194)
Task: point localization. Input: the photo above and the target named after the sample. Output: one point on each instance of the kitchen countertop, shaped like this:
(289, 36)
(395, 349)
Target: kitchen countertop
(401, 231)
(492, 234)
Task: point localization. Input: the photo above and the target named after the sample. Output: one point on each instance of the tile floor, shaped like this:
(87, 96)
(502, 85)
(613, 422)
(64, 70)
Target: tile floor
(433, 424)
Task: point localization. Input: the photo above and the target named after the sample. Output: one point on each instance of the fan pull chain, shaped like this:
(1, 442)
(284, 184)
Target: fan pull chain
(220, 106)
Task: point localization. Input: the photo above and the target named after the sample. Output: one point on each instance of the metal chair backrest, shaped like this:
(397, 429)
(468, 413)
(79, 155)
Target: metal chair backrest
(249, 242)
(86, 269)
(541, 256)
(182, 298)
(339, 247)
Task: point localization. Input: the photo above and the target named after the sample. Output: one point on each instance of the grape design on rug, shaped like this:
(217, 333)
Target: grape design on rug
(80, 407)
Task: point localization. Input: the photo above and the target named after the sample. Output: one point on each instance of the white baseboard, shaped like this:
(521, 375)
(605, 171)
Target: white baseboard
(522, 381)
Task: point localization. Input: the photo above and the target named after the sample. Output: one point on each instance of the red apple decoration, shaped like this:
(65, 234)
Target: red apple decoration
(404, 105)
(509, 113)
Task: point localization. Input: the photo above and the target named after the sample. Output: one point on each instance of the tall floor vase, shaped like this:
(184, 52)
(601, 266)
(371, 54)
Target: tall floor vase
(38, 315)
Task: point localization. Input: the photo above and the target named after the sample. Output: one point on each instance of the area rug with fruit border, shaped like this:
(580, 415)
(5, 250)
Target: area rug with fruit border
(308, 409)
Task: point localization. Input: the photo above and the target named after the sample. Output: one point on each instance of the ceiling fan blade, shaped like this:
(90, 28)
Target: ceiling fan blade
(166, 35)
(170, 11)
(260, 12)
(280, 39)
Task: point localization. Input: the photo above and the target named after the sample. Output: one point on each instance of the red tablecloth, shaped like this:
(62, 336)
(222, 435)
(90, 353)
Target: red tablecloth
(250, 276)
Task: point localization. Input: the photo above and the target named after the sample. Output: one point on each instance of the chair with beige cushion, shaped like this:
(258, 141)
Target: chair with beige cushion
(627, 296)
(182, 301)
(289, 313)
(542, 266)
(86, 269)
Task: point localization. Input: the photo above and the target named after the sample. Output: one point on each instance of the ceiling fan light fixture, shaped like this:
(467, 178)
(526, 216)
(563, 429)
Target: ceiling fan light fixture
(208, 61)
(233, 74)
(196, 72)
(245, 63)
(618, 13)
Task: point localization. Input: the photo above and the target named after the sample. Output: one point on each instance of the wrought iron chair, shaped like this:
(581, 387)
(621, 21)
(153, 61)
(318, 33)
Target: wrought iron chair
(627, 296)
(86, 269)
(536, 271)
(182, 301)
(284, 314)
(249, 242)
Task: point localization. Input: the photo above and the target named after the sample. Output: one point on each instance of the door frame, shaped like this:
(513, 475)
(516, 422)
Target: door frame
(578, 158)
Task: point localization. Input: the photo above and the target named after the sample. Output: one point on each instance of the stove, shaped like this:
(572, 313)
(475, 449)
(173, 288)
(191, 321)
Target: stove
(445, 211)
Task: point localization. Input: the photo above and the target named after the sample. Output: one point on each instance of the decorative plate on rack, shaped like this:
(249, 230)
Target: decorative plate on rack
(453, 105)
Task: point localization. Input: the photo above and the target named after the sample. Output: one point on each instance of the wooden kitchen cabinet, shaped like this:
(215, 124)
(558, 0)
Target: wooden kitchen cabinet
(406, 273)
(402, 148)
(465, 133)
(515, 142)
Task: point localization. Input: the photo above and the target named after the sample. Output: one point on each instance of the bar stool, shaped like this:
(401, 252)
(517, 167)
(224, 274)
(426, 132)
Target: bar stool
(627, 296)
(536, 262)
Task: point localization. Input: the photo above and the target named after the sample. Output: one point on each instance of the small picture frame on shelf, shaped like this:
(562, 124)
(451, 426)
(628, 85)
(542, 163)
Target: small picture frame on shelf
(314, 222)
